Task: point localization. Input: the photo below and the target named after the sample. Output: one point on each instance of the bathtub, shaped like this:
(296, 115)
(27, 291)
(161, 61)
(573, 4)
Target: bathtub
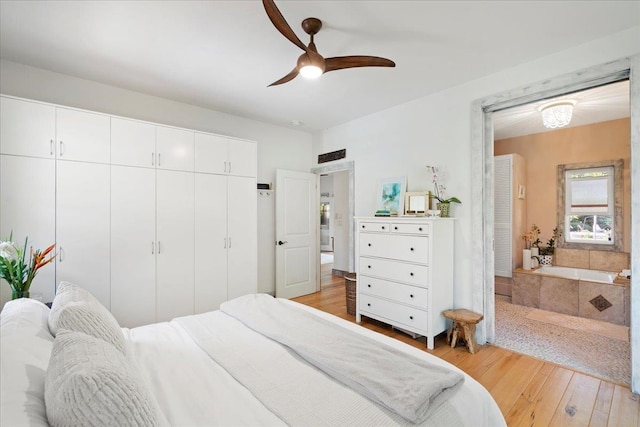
(577, 273)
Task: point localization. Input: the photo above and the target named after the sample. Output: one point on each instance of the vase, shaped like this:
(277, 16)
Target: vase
(546, 259)
(19, 294)
(444, 209)
(526, 259)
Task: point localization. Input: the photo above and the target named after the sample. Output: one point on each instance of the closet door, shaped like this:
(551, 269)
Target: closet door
(211, 153)
(503, 182)
(242, 240)
(133, 143)
(242, 158)
(27, 208)
(174, 149)
(175, 244)
(210, 241)
(83, 227)
(27, 128)
(82, 136)
(133, 245)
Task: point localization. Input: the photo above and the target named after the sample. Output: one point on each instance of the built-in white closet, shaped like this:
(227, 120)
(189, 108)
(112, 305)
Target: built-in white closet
(509, 212)
(155, 221)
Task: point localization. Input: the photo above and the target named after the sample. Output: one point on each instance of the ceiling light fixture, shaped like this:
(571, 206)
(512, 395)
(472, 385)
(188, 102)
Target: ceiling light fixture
(557, 114)
(311, 71)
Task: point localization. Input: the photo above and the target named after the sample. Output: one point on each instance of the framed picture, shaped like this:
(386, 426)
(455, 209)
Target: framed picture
(416, 202)
(390, 195)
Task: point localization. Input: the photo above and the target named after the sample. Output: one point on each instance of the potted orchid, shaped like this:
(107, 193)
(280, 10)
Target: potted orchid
(443, 203)
(17, 270)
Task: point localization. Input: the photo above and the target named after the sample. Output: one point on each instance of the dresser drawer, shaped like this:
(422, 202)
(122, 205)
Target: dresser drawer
(406, 294)
(403, 248)
(415, 319)
(422, 229)
(393, 270)
(379, 227)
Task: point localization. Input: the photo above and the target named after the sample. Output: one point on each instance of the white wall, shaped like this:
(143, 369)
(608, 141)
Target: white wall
(435, 130)
(278, 147)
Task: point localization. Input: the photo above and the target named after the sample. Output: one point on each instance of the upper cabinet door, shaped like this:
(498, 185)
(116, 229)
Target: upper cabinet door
(211, 153)
(83, 136)
(242, 158)
(174, 148)
(27, 128)
(133, 143)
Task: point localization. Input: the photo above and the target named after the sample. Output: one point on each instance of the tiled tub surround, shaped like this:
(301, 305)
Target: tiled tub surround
(592, 260)
(573, 295)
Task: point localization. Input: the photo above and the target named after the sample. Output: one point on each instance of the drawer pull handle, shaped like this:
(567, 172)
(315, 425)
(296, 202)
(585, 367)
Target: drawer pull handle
(420, 229)
(411, 295)
(411, 249)
(368, 286)
(411, 317)
(369, 244)
(411, 274)
(383, 227)
(368, 266)
(363, 226)
(368, 304)
(395, 228)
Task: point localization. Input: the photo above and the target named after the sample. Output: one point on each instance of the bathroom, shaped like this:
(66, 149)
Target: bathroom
(536, 184)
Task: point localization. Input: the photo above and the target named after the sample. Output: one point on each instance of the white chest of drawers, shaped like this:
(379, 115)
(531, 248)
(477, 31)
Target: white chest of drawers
(405, 272)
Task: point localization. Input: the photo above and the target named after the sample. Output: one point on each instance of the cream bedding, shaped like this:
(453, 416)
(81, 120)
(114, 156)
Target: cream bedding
(194, 390)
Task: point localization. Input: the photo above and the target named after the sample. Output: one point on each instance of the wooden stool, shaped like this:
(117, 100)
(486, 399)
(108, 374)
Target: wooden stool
(463, 327)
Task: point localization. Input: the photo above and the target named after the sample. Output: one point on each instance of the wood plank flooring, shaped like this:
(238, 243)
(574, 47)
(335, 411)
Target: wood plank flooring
(529, 391)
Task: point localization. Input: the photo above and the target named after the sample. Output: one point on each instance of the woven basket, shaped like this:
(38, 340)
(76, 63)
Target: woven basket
(350, 286)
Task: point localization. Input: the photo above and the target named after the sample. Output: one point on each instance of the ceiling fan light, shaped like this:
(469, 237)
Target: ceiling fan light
(557, 114)
(311, 71)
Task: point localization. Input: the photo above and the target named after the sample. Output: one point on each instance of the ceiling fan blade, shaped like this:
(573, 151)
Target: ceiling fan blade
(292, 75)
(342, 62)
(281, 24)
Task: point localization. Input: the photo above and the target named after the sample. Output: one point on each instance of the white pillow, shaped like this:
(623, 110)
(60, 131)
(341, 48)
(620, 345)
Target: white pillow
(25, 347)
(75, 309)
(89, 382)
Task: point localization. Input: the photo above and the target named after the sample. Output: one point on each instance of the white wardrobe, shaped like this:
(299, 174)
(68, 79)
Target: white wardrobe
(155, 221)
(510, 215)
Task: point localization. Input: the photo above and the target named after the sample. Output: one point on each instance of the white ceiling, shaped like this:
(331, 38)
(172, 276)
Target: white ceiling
(222, 54)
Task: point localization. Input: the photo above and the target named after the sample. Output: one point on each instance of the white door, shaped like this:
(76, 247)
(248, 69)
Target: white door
(27, 208)
(242, 237)
(175, 244)
(133, 143)
(83, 227)
(174, 149)
(27, 128)
(297, 204)
(133, 245)
(83, 136)
(210, 241)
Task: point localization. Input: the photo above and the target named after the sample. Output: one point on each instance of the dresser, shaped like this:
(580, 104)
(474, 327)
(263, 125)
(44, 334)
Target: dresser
(405, 272)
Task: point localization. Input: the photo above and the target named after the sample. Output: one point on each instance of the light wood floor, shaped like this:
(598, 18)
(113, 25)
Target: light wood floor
(529, 392)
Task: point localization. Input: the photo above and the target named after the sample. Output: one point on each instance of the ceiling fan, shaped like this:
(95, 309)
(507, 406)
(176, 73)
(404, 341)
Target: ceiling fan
(311, 64)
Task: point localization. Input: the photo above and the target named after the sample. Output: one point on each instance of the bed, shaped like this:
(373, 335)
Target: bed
(258, 361)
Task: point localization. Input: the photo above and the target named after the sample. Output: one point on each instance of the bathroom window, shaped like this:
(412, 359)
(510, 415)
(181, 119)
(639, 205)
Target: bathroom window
(590, 205)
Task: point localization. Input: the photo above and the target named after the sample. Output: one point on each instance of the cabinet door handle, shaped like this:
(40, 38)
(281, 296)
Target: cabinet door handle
(153, 248)
(51, 146)
(61, 148)
(225, 166)
(229, 167)
(153, 158)
(159, 159)
(225, 243)
(61, 254)
(158, 247)
(229, 242)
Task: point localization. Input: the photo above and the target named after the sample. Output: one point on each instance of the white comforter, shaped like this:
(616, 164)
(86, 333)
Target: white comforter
(193, 390)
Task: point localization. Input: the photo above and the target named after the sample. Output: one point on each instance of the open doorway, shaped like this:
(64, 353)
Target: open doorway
(482, 182)
(561, 315)
(336, 228)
